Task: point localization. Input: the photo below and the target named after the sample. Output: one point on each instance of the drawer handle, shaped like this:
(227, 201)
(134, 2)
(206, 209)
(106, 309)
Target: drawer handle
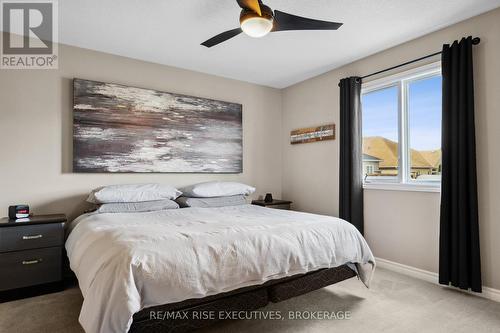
(33, 237)
(32, 262)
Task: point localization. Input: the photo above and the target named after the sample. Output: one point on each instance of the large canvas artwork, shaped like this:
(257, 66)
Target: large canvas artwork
(125, 129)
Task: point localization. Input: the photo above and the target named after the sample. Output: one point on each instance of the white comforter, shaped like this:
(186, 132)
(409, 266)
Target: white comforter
(126, 262)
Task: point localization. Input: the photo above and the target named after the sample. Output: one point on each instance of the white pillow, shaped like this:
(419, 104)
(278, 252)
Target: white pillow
(216, 189)
(132, 193)
(234, 200)
(137, 207)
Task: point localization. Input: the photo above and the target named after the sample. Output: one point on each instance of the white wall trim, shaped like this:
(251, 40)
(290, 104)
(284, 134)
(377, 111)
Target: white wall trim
(403, 187)
(489, 293)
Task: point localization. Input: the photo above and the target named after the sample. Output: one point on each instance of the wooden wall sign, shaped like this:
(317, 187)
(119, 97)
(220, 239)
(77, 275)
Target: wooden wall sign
(312, 134)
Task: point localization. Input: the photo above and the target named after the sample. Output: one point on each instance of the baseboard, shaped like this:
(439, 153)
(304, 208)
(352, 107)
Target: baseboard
(489, 293)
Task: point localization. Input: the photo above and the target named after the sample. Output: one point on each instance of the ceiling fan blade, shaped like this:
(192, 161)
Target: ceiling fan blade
(284, 21)
(253, 5)
(222, 37)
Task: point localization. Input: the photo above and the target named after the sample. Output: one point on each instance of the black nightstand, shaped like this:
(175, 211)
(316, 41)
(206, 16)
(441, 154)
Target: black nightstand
(278, 204)
(31, 251)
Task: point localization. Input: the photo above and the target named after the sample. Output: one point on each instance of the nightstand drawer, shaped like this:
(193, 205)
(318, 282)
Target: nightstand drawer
(31, 237)
(30, 267)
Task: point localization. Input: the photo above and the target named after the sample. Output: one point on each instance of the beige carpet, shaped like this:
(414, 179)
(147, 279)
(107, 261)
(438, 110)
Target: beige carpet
(395, 303)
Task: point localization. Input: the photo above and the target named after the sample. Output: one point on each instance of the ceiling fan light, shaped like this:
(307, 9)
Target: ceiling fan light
(257, 26)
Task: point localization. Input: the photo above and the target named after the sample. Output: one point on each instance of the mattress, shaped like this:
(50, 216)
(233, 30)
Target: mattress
(127, 262)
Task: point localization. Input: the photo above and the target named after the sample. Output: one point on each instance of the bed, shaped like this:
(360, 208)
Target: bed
(238, 257)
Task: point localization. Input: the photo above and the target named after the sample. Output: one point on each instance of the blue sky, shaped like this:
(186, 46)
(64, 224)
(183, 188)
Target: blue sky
(380, 113)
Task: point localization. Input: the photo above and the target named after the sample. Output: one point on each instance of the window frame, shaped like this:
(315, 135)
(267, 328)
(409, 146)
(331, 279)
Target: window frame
(401, 81)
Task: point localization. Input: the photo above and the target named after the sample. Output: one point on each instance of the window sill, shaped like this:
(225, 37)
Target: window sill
(403, 187)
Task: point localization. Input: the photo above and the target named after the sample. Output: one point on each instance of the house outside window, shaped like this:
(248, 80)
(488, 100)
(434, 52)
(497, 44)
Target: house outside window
(402, 130)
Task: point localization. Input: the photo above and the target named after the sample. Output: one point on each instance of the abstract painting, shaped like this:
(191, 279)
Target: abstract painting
(118, 128)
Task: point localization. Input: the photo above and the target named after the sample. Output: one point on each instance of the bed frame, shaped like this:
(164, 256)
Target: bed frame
(244, 299)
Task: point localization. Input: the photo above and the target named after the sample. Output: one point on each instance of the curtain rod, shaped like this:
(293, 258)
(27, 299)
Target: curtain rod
(475, 41)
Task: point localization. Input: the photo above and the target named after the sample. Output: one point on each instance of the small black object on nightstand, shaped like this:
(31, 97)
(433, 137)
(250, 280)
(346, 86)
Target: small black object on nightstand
(278, 204)
(268, 197)
(19, 211)
(31, 251)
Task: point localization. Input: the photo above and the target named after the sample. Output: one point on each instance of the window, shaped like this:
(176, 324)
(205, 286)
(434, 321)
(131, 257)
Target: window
(402, 129)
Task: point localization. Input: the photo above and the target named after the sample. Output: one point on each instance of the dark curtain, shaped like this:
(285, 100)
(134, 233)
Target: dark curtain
(350, 182)
(459, 259)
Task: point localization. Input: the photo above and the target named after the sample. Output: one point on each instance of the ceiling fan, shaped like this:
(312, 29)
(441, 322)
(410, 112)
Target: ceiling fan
(257, 20)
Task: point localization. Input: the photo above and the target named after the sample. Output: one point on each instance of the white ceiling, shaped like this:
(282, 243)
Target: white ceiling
(170, 32)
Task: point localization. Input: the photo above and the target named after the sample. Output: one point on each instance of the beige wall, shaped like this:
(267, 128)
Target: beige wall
(36, 129)
(36, 119)
(400, 226)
